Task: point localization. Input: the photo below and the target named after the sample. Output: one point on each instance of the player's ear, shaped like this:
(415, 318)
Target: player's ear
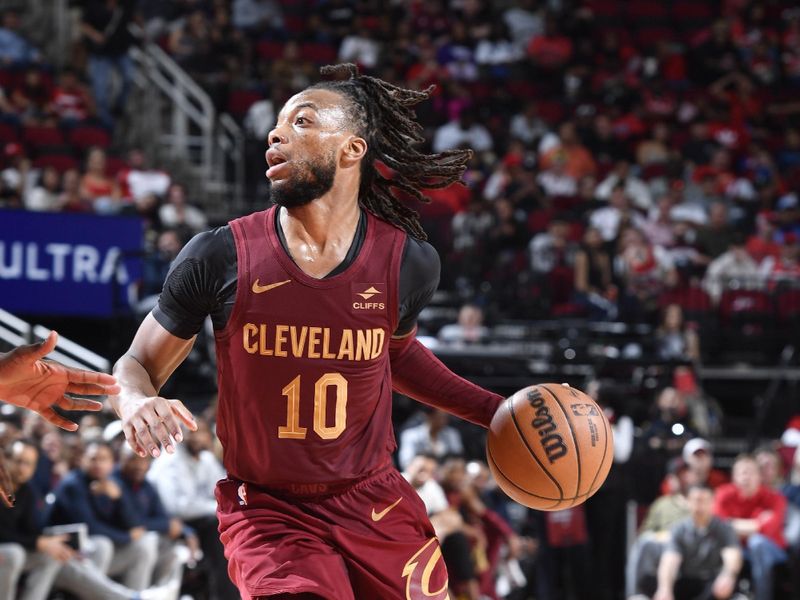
(355, 148)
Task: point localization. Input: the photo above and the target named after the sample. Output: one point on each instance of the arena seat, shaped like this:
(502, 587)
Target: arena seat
(60, 162)
(86, 136)
(240, 101)
(8, 133)
(36, 136)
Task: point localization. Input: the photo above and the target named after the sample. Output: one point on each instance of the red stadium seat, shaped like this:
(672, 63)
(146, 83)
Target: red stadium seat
(86, 136)
(60, 162)
(268, 49)
(605, 10)
(240, 101)
(689, 299)
(36, 136)
(114, 165)
(8, 133)
(646, 12)
(744, 303)
(318, 53)
(692, 13)
(647, 37)
(788, 305)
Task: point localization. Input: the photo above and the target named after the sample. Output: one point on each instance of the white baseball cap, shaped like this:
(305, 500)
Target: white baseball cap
(694, 445)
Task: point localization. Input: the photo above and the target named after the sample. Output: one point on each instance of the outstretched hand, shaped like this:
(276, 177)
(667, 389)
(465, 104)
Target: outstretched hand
(28, 381)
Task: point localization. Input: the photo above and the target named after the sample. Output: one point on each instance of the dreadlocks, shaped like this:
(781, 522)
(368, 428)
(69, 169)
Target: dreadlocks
(381, 113)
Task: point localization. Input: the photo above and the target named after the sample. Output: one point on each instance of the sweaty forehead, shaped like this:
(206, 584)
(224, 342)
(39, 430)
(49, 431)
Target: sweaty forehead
(330, 106)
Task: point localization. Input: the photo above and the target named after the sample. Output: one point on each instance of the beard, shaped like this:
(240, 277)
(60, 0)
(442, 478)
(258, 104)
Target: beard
(314, 179)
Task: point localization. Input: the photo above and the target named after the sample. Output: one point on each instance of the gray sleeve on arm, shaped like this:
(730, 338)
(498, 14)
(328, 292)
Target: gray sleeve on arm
(195, 283)
(419, 278)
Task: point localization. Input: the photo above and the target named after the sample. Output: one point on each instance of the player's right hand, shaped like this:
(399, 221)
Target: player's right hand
(153, 423)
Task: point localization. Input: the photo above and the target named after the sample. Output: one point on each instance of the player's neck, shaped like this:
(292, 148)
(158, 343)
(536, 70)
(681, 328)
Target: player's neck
(320, 234)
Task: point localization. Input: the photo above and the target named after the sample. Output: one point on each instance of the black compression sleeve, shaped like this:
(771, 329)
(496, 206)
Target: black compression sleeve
(419, 277)
(200, 282)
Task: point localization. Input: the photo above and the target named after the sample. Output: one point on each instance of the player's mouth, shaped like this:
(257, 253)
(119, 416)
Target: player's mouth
(277, 162)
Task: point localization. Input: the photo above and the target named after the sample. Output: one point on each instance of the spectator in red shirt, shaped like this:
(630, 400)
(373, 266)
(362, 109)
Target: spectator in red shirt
(757, 515)
(762, 243)
(71, 100)
(551, 50)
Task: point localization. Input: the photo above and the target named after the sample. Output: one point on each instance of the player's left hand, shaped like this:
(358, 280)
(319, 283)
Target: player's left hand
(28, 381)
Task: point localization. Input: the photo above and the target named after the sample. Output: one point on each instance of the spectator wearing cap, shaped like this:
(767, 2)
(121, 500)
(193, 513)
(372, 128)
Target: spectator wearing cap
(698, 455)
(702, 558)
(757, 515)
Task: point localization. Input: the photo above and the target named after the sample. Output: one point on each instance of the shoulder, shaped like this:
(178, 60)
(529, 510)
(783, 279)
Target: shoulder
(213, 244)
(421, 259)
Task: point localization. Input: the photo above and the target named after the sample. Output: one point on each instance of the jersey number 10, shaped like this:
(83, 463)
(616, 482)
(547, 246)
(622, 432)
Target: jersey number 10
(293, 431)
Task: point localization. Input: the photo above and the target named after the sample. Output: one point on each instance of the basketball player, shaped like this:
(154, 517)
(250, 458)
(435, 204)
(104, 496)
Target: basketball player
(314, 303)
(38, 385)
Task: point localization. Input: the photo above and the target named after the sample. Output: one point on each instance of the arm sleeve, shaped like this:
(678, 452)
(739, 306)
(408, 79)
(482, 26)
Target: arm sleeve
(419, 278)
(772, 527)
(197, 283)
(417, 373)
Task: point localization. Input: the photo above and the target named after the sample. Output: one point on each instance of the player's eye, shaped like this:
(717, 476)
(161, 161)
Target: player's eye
(300, 121)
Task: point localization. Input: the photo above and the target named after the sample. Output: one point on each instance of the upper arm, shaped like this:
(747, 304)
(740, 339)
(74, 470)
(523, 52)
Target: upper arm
(419, 278)
(157, 350)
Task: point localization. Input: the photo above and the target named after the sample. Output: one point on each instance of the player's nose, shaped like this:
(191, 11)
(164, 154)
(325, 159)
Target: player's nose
(275, 137)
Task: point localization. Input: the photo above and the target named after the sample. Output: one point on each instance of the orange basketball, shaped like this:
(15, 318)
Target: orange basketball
(550, 446)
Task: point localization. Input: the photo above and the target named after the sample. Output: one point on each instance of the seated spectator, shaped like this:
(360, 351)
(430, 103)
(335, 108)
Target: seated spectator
(667, 510)
(30, 99)
(593, 284)
(717, 237)
(703, 558)
(555, 181)
(156, 266)
(97, 188)
(14, 48)
(71, 199)
(468, 330)
(675, 340)
(770, 467)
(71, 101)
(785, 269)
(635, 188)
(762, 243)
(733, 265)
(552, 248)
(527, 126)
(360, 47)
(46, 196)
(253, 16)
(433, 437)
(551, 50)
(420, 472)
(659, 226)
(579, 161)
(698, 455)
(645, 271)
(465, 132)
(186, 481)
(756, 514)
(48, 560)
(657, 149)
(89, 495)
(176, 212)
(138, 179)
(143, 498)
(611, 219)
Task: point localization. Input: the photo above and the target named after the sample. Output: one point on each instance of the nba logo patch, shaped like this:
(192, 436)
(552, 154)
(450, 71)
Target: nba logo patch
(368, 297)
(242, 492)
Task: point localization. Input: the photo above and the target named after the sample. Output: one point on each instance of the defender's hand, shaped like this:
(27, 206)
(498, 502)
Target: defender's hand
(29, 382)
(152, 423)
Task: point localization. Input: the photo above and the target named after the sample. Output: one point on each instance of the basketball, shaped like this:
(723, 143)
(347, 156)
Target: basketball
(550, 446)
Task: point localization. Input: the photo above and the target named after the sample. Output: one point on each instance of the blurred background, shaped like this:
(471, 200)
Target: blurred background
(629, 224)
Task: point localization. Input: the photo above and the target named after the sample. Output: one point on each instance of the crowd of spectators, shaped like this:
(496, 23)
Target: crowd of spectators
(633, 161)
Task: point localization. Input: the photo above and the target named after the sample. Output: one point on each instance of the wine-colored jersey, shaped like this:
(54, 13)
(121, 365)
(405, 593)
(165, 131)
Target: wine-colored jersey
(304, 379)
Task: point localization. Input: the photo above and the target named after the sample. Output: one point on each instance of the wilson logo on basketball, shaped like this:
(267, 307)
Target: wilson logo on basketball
(584, 410)
(367, 292)
(552, 443)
